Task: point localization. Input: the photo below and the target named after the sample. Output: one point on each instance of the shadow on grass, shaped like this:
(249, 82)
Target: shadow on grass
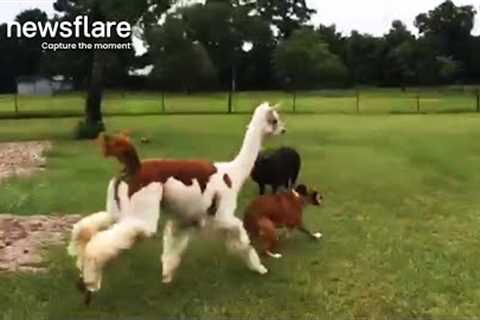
(52, 115)
(457, 111)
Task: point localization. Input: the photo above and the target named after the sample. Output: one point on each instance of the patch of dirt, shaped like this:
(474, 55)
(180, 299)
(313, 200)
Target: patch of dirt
(22, 158)
(23, 240)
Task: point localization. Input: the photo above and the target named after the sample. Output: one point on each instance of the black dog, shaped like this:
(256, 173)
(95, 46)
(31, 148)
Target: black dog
(277, 168)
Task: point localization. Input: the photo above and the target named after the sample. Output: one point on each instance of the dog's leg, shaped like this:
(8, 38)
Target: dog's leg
(261, 188)
(316, 235)
(287, 233)
(269, 237)
(175, 241)
(274, 188)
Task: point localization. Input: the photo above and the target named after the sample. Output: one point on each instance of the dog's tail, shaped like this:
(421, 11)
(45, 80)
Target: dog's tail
(120, 147)
(250, 224)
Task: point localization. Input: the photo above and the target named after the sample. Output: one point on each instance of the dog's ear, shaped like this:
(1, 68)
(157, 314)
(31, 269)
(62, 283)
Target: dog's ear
(316, 198)
(301, 189)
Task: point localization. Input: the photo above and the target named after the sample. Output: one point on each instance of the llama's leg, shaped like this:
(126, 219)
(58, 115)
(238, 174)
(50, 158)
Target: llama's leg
(140, 215)
(87, 227)
(175, 241)
(105, 246)
(238, 242)
(274, 188)
(84, 230)
(268, 237)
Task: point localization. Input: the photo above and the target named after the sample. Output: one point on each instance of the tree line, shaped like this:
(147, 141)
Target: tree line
(247, 45)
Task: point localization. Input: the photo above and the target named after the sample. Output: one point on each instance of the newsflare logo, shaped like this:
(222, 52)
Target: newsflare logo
(79, 28)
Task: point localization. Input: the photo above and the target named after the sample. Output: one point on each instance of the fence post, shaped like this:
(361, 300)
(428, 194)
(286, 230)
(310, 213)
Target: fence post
(16, 103)
(357, 93)
(163, 102)
(477, 92)
(418, 103)
(230, 94)
(294, 105)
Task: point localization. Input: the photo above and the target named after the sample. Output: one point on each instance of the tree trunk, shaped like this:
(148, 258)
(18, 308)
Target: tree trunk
(93, 107)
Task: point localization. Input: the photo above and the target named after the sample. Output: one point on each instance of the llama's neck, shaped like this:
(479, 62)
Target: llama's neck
(245, 160)
(131, 163)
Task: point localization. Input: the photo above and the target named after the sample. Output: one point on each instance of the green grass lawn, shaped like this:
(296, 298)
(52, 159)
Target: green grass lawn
(372, 101)
(400, 223)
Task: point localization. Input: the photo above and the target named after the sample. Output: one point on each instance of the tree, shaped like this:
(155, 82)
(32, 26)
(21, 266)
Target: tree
(20, 56)
(449, 27)
(178, 61)
(448, 68)
(304, 61)
(399, 56)
(362, 58)
(224, 28)
(400, 65)
(474, 61)
(335, 40)
(286, 15)
(139, 11)
(30, 50)
(448, 20)
(9, 61)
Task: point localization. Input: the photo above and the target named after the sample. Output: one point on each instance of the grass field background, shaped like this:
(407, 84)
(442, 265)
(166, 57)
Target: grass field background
(371, 101)
(400, 222)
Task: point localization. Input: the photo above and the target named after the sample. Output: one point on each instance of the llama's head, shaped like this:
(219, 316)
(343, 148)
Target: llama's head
(266, 118)
(118, 145)
(310, 196)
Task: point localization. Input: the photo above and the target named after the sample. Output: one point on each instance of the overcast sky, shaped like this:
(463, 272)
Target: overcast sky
(370, 16)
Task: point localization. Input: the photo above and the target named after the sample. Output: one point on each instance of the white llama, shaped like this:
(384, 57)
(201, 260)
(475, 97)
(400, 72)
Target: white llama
(194, 192)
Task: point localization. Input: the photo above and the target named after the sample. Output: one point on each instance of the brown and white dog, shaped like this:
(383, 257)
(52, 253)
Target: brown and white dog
(268, 212)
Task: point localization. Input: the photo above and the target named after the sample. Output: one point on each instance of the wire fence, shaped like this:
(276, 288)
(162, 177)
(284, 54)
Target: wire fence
(363, 101)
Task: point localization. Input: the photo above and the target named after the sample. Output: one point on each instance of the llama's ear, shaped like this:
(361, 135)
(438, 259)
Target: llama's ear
(102, 142)
(276, 106)
(102, 138)
(125, 133)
